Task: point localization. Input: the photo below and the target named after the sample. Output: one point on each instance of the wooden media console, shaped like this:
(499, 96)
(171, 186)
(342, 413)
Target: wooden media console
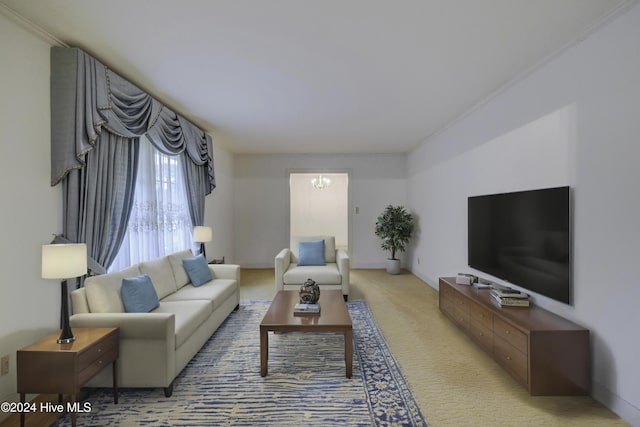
(547, 354)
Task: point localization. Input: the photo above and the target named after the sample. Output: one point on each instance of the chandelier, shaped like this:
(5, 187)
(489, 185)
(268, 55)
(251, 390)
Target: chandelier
(321, 182)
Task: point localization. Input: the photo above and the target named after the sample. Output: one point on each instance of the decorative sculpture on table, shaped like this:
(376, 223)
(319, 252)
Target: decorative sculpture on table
(309, 292)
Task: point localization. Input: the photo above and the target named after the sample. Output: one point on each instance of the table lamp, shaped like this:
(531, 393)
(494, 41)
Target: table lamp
(64, 261)
(202, 234)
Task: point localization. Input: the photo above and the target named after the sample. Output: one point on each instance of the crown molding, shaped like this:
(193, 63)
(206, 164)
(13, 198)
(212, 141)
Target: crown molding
(30, 26)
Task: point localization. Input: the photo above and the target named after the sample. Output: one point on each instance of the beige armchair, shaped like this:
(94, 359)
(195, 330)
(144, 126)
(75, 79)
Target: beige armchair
(333, 275)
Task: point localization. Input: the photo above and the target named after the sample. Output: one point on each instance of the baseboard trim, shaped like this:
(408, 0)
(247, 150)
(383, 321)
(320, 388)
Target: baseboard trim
(624, 409)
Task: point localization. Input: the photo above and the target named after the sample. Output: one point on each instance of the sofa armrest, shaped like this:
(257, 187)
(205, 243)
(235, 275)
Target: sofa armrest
(344, 266)
(282, 261)
(149, 326)
(226, 271)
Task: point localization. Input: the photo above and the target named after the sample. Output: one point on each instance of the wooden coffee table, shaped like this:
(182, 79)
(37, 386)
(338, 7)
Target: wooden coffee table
(334, 317)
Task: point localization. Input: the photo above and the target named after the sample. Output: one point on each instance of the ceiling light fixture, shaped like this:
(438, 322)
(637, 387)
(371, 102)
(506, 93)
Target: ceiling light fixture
(321, 182)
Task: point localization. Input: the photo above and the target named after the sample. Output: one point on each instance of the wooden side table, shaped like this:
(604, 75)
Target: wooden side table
(48, 367)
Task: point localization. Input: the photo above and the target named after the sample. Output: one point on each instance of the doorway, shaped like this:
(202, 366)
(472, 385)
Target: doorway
(319, 205)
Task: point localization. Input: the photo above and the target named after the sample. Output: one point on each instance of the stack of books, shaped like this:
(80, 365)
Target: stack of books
(508, 297)
(306, 309)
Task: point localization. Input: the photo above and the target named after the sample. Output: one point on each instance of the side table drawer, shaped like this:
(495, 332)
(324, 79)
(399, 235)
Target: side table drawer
(88, 372)
(97, 351)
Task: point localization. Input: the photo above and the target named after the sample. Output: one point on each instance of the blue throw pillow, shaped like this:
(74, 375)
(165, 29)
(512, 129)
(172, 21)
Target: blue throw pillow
(311, 253)
(138, 294)
(197, 269)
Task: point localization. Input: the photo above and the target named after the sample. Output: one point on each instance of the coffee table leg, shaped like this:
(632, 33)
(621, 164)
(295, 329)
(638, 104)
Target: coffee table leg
(348, 352)
(264, 351)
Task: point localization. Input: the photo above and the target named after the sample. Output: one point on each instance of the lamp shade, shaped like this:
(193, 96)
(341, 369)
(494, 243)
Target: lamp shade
(202, 234)
(64, 261)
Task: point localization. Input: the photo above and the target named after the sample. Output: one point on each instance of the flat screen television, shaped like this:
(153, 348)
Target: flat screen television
(523, 238)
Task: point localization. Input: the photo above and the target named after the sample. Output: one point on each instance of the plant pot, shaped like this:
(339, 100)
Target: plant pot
(393, 266)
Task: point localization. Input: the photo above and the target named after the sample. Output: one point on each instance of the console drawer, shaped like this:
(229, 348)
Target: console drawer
(461, 317)
(482, 335)
(511, 358)
(510, 334)
(481, 315)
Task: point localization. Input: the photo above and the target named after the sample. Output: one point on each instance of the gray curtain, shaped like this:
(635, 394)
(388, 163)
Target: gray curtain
(97, 199)
(97, 118)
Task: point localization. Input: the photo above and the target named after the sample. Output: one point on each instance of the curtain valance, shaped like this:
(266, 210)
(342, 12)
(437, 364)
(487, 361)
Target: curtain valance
(88, 98)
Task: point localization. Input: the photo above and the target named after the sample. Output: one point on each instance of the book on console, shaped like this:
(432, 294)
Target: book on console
(511, 302)
(508, 293)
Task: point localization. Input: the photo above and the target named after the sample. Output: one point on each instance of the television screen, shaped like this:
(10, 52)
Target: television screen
(523, 238)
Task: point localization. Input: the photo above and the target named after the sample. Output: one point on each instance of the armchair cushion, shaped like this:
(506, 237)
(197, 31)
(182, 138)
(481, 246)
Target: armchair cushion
(323, 275)
(311, 253)
(329, 247)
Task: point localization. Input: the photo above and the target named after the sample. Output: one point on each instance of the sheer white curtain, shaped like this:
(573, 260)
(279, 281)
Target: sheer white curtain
(160, 223)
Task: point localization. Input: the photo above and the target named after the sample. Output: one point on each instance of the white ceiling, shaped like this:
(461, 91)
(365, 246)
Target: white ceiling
(319, 76)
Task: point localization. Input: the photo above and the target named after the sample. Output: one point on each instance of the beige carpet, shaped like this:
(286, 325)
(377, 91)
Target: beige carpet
(455, 383)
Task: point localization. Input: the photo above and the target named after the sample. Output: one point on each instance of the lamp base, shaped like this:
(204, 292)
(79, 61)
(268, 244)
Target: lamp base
(66, 335)
(66, 340)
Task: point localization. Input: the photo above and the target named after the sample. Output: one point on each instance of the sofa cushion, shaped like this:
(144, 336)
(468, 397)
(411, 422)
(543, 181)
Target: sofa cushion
(138, 294)
(161, 274)
(216, 291)
(197, 270)
(103, 291)
(311, 253)
(179, 273)
(322, 275)
(189, 315)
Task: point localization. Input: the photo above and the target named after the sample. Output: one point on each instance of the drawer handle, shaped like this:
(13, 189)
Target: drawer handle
(481, 334)
(99, 362)
(99, 350)
(508, 357)
(507, 332)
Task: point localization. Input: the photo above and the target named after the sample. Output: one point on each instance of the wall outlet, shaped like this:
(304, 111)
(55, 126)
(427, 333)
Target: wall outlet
(4, 365)
(418, 260)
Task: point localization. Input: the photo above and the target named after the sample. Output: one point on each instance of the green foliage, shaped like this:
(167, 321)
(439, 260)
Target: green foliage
(394, 227)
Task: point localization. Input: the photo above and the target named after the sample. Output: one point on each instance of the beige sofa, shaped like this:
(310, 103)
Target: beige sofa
(333, 275)
(156, 346)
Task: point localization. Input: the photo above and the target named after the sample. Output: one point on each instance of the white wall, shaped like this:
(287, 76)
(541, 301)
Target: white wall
(320, 212)
(261, 202)
(31, 209)
(218, 209)
(576, 121)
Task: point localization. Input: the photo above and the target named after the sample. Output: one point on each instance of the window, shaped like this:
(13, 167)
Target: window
(160, 223)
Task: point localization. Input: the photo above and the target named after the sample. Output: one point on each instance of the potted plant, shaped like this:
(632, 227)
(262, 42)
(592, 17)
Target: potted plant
(394, 227)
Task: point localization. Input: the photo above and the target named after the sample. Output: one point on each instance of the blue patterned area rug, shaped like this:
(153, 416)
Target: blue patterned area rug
(305, 385)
